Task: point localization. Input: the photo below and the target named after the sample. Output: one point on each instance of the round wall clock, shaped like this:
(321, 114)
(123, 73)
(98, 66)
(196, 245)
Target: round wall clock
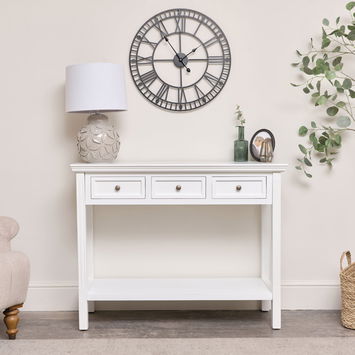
(180, 59)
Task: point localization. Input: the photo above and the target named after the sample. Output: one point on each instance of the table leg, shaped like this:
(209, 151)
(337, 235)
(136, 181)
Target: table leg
(276, 251)
(82, 251)
(90, 249)
(266, 232)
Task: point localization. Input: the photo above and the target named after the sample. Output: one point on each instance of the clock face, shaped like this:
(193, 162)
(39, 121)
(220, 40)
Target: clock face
(180, 59)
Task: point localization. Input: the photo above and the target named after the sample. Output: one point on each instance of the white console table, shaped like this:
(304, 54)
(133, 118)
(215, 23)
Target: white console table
(180, 184)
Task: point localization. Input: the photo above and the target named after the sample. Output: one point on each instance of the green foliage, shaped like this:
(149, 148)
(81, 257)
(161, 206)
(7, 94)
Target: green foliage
(329, 87)
(239, 117)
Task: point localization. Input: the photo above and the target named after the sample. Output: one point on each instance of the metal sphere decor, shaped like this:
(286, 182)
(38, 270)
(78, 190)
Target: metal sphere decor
(98, 141)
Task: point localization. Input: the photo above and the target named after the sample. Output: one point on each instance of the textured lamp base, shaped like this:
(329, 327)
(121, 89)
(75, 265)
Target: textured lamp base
(98, 141)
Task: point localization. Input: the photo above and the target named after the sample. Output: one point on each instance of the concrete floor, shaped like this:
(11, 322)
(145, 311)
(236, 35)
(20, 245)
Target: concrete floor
(179, 324)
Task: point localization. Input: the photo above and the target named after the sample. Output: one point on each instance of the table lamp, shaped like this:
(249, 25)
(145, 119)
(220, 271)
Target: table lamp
(96, 88)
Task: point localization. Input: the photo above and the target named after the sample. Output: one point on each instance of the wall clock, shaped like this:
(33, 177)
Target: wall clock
(180, 59)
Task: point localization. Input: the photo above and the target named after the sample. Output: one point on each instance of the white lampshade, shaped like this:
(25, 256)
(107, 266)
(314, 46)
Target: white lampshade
(95, 87)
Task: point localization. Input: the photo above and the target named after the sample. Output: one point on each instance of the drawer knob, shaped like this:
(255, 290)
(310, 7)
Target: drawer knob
(238, 187)
(178, 187)
(117, 187)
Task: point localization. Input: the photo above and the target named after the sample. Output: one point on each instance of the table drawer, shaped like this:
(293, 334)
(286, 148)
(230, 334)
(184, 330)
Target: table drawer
(239, 187)
(117, 187)
(178, 187)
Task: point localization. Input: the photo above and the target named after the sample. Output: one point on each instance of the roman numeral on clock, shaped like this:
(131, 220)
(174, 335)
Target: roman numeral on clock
(199, 92)
(181, 96)
(159, 25)
(144, 60)
(163, 92)
(215, 59)
(180, 24)
(146, 41)
(212, 80)
(210, 42)
(149, 77)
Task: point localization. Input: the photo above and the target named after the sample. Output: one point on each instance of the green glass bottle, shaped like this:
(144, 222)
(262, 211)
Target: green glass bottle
(240, 146)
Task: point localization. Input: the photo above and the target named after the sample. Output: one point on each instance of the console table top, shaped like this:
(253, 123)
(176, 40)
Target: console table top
(179, 166)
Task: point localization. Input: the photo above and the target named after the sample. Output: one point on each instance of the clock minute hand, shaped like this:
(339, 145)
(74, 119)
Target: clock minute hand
(192, 51)
(180, 60)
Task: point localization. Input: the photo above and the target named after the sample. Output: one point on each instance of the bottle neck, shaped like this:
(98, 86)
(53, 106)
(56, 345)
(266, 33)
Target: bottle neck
(241, 133)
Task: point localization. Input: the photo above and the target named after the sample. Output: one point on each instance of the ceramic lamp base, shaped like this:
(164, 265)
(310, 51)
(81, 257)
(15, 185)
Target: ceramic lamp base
(98, 141)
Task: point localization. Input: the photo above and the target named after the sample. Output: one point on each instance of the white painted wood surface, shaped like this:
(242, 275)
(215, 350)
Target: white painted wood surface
(276, 251)
(180, 184)
(179, 289)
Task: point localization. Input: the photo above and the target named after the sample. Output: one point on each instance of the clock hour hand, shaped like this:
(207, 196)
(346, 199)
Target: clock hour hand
(180, 60)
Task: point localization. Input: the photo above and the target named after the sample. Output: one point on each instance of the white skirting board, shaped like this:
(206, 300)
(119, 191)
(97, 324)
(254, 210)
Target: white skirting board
(300, 294)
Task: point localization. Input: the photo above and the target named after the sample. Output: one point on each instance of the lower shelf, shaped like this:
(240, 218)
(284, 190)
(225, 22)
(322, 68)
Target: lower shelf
(178, 289)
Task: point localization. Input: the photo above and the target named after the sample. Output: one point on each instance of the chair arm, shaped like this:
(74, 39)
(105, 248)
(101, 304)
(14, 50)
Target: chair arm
(8, 229)
(14, 278)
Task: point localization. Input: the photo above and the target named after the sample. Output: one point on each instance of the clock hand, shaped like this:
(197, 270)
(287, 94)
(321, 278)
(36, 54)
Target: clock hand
(180, 60)
(192, 51)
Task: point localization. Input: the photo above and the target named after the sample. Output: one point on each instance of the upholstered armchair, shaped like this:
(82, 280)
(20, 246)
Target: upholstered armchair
(14, 276)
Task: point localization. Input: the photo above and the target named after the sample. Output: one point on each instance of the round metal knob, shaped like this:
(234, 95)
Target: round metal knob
(117, 187)
(238, 187)
(178, 187)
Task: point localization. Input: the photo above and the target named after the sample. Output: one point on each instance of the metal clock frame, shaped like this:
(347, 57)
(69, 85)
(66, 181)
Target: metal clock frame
(144, 83)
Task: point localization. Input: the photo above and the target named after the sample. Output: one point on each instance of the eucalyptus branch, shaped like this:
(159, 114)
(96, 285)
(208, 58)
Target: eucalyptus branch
(333, 95)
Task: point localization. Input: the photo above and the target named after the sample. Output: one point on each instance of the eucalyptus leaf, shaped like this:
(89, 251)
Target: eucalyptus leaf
(321, 100)
(322, 140)
(308, 70)
(305, 61)
(349, 6)
(320, 148)
(347, 83)
(307, 162)
(330, 75)
(302, 149)
(325, 43)
(332, 111)
(343, 121)
(313, 124)
(325, 22)
(313, 139)
(352, 93)
(337, 139)
(303, 130)
(336, 61)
